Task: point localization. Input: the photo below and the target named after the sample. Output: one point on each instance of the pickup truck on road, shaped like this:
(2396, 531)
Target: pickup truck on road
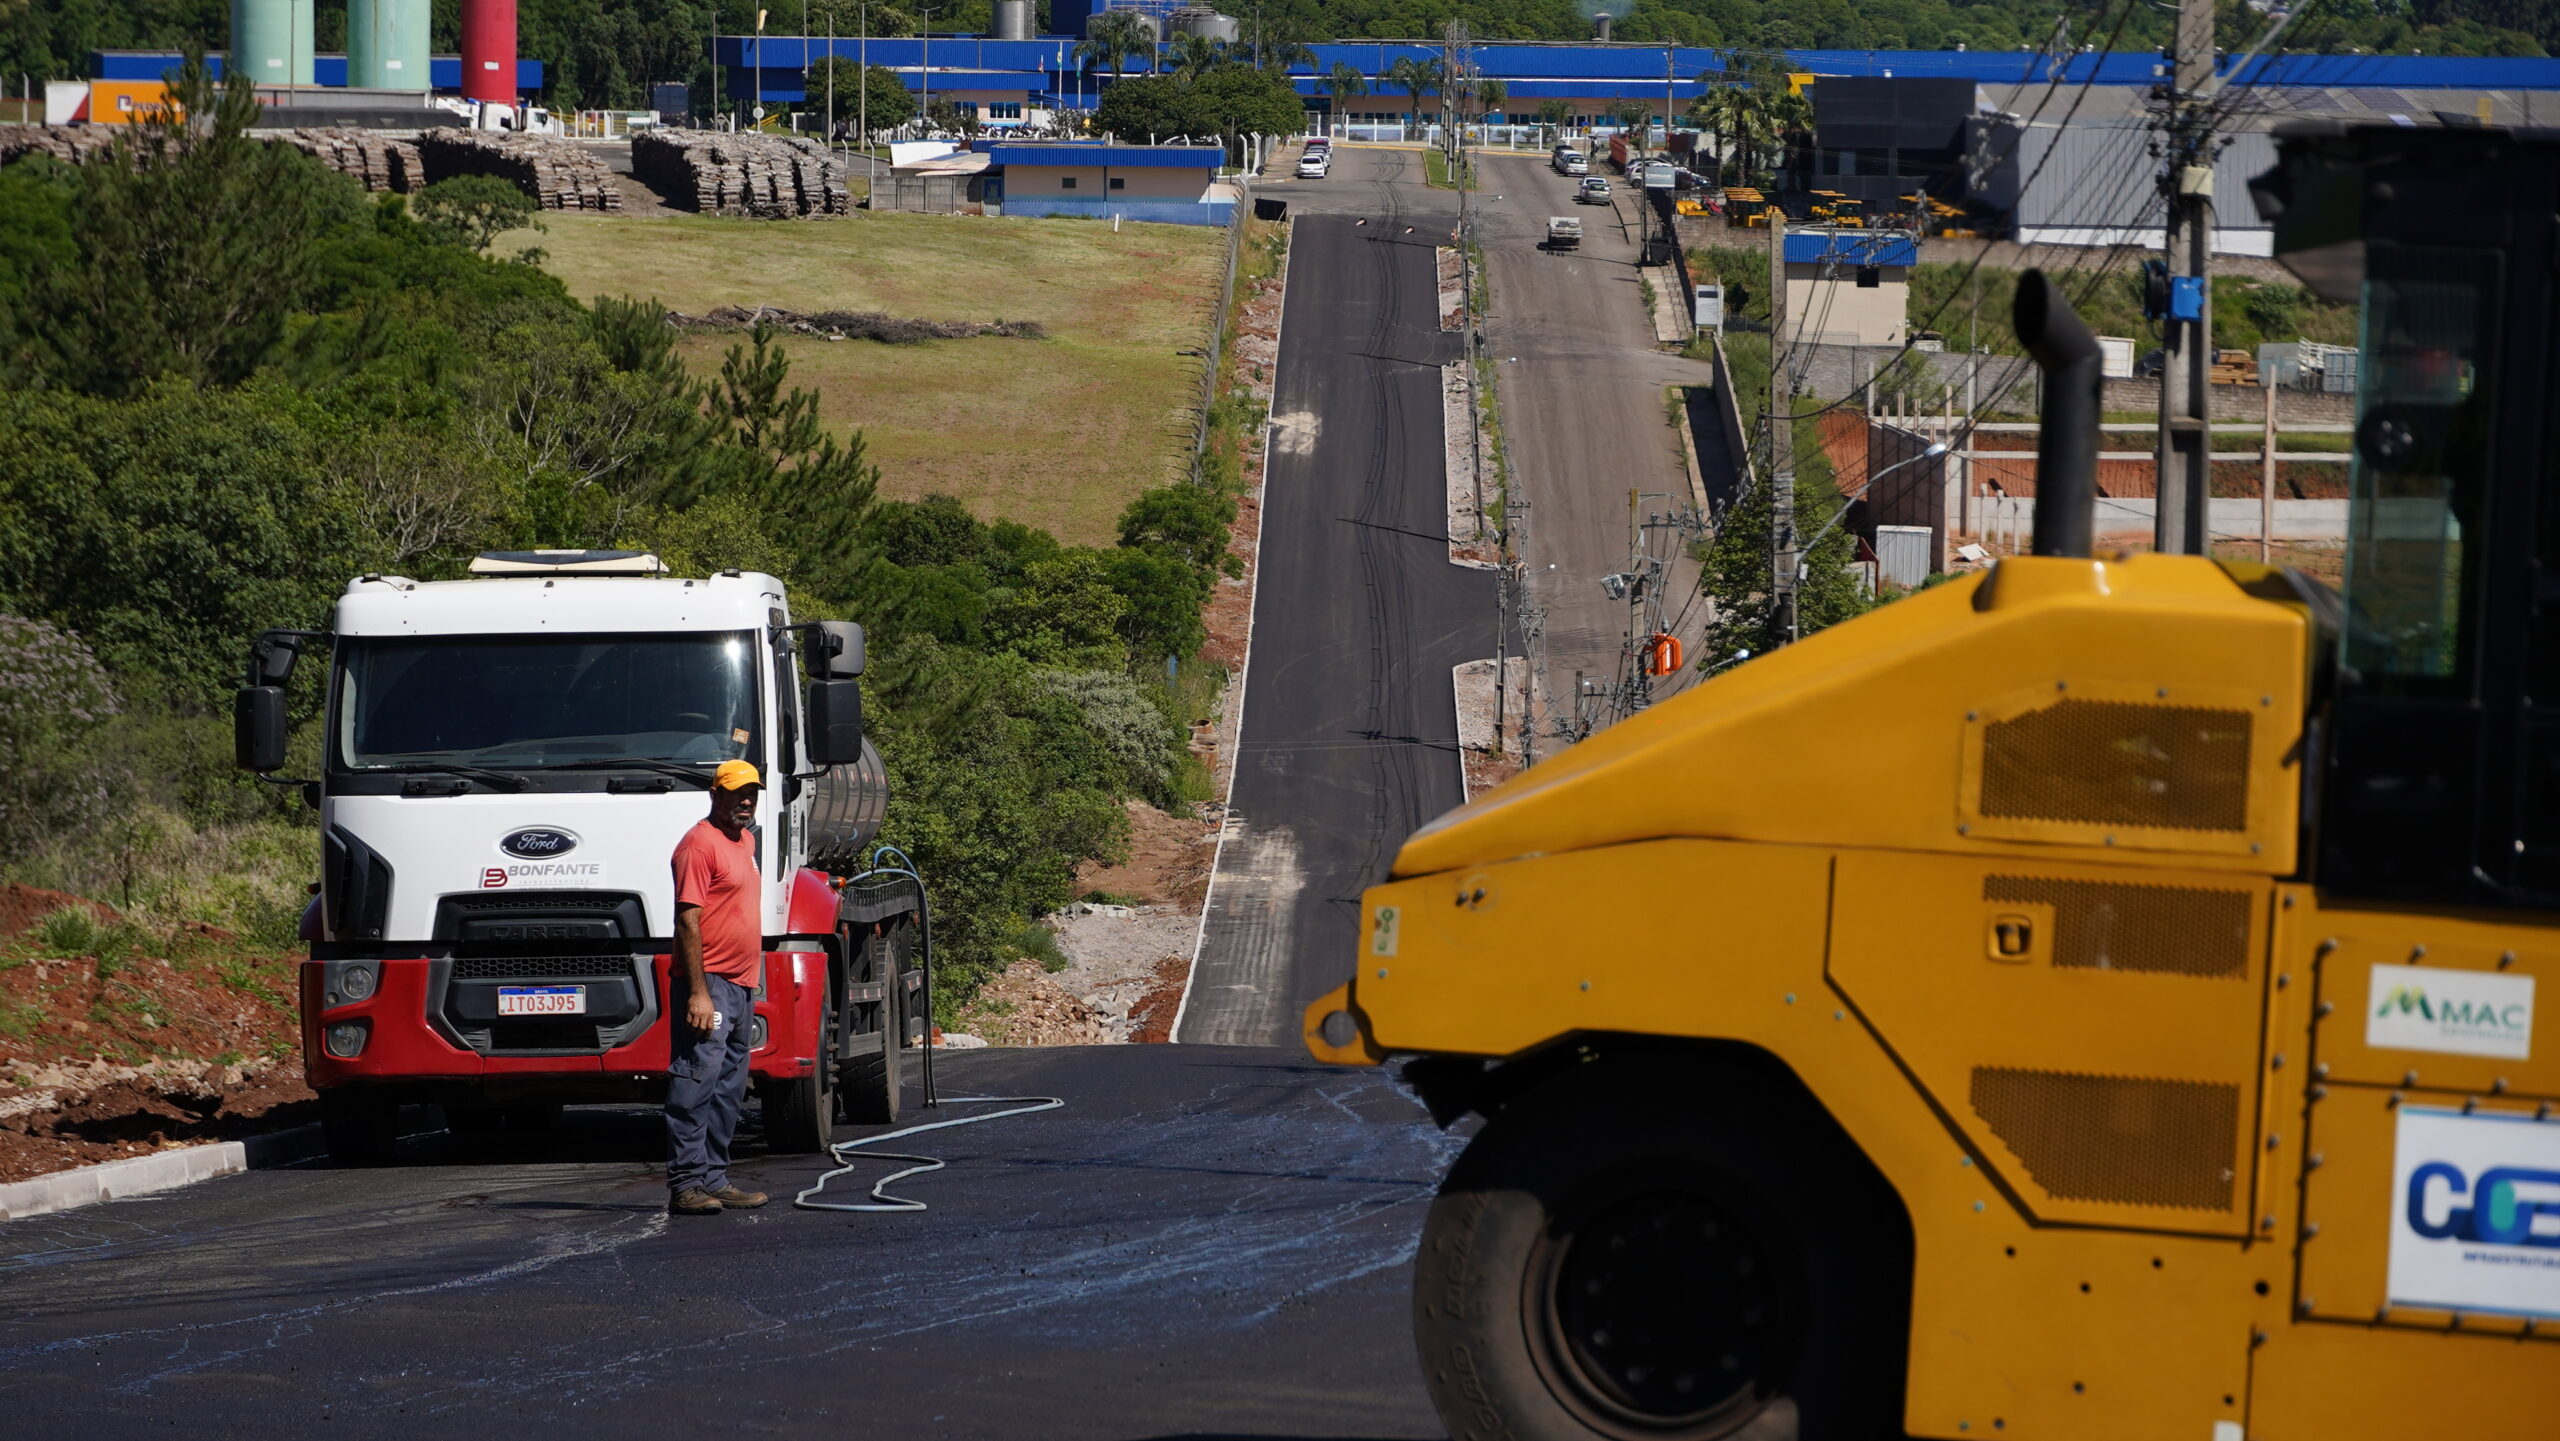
(1564, 232)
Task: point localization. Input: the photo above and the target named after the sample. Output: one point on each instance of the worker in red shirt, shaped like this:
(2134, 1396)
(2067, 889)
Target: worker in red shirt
(719, 947)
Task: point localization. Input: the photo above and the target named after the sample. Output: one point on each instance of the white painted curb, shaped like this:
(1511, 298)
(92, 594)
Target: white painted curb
(1244, 672)
(158, 1171)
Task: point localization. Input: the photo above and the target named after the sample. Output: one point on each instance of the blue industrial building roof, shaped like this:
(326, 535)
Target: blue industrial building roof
(1850, 247)
(444, 72)
(1122, 157)
(1639, 69)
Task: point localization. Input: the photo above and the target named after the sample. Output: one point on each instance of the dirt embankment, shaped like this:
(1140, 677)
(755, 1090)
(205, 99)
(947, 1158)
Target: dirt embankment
(117, 1039)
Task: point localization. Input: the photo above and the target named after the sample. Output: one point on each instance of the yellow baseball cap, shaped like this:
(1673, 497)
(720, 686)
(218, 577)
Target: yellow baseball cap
(735, 776)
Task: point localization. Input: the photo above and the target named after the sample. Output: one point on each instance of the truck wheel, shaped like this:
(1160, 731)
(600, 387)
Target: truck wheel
(871, 1081)
(1592, 1270)
(800, 1113)
(359, 1123)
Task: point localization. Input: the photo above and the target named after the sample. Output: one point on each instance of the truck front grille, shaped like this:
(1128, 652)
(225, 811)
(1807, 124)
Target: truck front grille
(531, 968)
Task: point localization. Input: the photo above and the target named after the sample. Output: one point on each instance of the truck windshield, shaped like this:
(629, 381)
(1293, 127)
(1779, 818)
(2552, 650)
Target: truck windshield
(533, 701)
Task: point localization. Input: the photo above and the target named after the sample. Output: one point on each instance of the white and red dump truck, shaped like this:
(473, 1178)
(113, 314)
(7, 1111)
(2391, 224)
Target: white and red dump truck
(507, 764)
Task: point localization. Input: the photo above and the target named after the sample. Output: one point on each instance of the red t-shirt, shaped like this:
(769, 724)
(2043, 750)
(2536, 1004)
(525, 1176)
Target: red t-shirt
(719, 875)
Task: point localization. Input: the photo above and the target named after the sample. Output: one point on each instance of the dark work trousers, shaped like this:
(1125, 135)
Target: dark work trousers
(706, 1086)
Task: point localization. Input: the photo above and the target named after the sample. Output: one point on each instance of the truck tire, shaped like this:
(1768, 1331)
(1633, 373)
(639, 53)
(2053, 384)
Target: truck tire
(1592, 1269)
(800, 1113)
(360, 1124)
(871, 1082)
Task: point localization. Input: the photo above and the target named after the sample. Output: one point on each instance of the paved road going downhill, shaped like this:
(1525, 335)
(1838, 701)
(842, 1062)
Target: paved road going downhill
(1582, 385)
(1204, 1242)
(1349, 739)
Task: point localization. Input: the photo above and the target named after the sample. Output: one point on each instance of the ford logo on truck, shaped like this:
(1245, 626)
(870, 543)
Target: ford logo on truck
(539, 843)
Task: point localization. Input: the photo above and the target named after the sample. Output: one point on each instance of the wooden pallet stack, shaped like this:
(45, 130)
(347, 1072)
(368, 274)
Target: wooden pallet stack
(767, 176)
(559, 174)
(382, 164)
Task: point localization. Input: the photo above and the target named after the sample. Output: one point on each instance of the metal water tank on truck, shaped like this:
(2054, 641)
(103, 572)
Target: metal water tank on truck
(505, 765)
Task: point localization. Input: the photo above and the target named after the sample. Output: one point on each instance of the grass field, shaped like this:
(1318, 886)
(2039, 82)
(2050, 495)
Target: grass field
(1057, 433)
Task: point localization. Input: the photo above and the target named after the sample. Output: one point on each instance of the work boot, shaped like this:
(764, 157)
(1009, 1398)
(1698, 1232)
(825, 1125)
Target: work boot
(731, 1198)
(694, 1201)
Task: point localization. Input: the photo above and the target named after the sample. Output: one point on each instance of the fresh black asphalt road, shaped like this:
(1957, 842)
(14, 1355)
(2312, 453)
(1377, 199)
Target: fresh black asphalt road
(1349, 738)
(1204, 1242)
(1208, 1241)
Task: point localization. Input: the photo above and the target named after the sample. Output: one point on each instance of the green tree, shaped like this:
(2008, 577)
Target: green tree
(1736, 575)
(1156, 107)
(1114, 38)
(872, 96)
(1414, 77)
(192, 244)
(1187, 521)
(1192, 56)
(54, 696)
(1344, 82)
(472, 210)
(1062, 612)
(1553, 114)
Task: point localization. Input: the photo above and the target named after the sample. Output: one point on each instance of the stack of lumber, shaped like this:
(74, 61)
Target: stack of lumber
(558, 173)
(767, 176)
(382, 164)
(71, 144)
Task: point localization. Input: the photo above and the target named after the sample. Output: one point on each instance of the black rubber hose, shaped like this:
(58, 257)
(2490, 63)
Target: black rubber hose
(2067, 432)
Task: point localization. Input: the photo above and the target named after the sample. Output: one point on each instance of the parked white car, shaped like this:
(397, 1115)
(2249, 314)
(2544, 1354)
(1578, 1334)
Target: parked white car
(1314, 164)
(1594, 190)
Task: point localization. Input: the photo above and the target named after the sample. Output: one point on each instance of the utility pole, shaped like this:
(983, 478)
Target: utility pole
(1782, 444)
(2186, 372)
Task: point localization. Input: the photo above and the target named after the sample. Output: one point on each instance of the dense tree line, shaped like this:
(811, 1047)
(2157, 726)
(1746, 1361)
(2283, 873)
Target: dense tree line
(238, 380)
(606, 53)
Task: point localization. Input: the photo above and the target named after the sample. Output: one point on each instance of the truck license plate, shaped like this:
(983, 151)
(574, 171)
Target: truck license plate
(542, 1000)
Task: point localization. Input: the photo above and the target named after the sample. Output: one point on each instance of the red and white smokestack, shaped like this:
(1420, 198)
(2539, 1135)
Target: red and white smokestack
(489, 51)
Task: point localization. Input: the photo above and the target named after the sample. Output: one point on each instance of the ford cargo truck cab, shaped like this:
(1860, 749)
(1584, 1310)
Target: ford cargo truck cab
(506, 765)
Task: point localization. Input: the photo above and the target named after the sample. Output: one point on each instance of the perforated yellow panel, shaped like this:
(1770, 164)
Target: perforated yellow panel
(2123, 766)
(2119, 763)
(2106, 1075)
(2112, 926)
(2126, 1140)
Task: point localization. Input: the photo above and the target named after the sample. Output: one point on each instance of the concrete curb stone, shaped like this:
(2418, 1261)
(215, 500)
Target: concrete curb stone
(157, 1171)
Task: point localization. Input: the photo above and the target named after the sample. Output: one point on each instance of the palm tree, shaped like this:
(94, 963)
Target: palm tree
(1413, 76)
(1490, 97)
(1112, 38)
(1193, 56)
(1553, 114)
(1345, 82)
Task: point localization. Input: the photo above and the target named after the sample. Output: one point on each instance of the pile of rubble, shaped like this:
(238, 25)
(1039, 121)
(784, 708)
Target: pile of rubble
(559, 174)
(856, 325)
(381, 164)
(772, 177)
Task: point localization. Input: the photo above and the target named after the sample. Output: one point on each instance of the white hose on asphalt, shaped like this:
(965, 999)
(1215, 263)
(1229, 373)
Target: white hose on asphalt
(850, 1155)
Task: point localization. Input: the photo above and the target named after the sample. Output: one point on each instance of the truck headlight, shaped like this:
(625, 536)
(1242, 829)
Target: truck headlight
(356, 982)
(346, 1039)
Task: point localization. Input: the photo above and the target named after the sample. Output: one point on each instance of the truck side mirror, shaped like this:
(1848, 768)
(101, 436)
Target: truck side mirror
(834, 720)
(843, 646)
(257, 728)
